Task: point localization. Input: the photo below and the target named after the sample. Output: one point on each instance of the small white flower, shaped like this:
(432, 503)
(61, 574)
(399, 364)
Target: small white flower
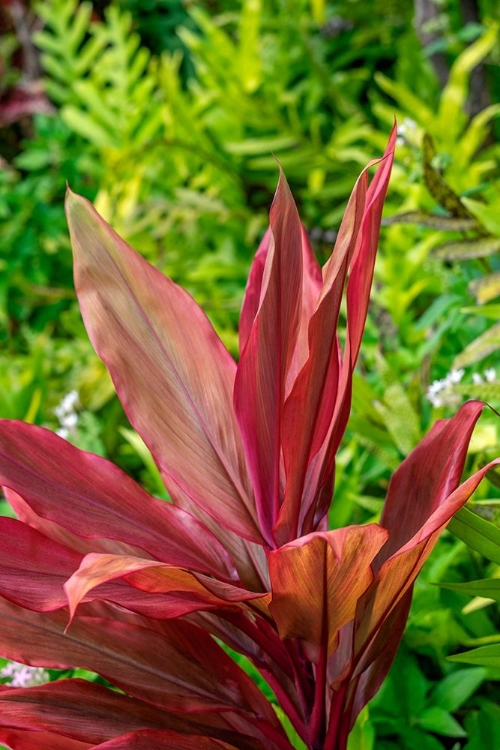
(70, 421)
(23, 676)
(436, 386)
(476, 379)
(490, 375)
(455, 376)
(440, 392)
(66, 414)
(435, 400)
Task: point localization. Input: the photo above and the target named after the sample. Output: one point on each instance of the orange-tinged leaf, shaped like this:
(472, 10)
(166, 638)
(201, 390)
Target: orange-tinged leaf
(318, 579)
(156, 578)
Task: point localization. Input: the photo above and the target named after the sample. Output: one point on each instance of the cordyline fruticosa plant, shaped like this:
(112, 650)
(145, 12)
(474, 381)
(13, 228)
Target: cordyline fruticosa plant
(98, 574)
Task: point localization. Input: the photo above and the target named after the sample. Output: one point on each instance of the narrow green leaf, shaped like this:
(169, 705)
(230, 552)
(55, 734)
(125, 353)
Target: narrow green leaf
(258, 146)
(485, 656)
(492, 312)
(292, 735)
(85, 125)
(407, 100)
(453, 691)
(451, 107)
(249, 64)
(362, 736)
(488, 588)
(144, 454)
(436, 719)
(478, 534)
(482, 391)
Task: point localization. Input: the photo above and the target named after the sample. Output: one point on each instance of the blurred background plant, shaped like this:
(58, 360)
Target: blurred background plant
(169, 115)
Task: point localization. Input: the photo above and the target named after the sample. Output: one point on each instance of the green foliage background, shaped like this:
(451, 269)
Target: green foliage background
(169, 116)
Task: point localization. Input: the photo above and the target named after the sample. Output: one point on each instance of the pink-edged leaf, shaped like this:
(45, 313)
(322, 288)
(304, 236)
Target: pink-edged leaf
(248, 558)
(310, 406)
(192, 591)
(148, 739)
(321, 473)
(251, 300)
(360, 279)
(318, 579)
(82, 711)
(58, 533)
(400, 561)
(18, 739)
(311, 287)
(92, 497)
(259, 391)
(146, 328)
(180, 669)
(33, 568)
(312, 282)
(377, 661)
(428, 476)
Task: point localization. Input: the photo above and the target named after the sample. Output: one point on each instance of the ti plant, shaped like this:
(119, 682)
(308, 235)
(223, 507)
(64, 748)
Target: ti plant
(152, 595)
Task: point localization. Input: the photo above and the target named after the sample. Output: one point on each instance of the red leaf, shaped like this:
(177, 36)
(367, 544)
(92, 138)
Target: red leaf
(377, 661)
(259, 391)
(148, 329)
(248, 558)
(320, 481)
(251, 300)
(17, 739)
(85, 712)
(174, 669)
(33, 568)
(147, 740)
(92, 497)
(423, 488)
(427, 477)
(309, 408)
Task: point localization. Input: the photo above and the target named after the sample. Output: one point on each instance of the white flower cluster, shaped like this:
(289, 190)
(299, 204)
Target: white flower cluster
(489, 376)
(22, 676)
(66, 414)
(440, 392)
